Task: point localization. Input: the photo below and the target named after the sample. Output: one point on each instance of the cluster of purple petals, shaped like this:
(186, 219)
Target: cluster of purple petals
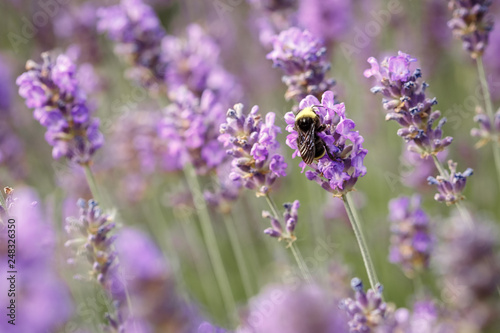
(411, 241)
(366, 311)
(302, 58)
(147, 278)
(276, 309)
(91, 231)
(451, 185)
(5, 87)
(42, 299)
(470, 266)
(190, 126)
(486, 131)
(59, 104)
(406, 103)
(138, 33)
(194, 62)
(491, 62)
(472, 24)
(339, 175)
(290, 217)
(252, 144)
(326, 19)
(270, 17)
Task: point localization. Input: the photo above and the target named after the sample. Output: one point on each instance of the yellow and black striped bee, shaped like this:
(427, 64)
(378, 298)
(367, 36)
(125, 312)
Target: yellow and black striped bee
(307, 125)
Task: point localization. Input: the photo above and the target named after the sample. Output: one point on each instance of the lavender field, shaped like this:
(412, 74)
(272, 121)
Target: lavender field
(250, 166)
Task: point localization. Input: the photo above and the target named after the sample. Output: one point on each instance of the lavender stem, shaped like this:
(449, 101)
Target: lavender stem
(489, 111)
(295, 251)
(210, 239)
(92, 183)
(238, 253)
(358, 232)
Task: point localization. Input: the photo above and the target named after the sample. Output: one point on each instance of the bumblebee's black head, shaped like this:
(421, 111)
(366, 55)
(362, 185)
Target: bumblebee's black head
(306, 118)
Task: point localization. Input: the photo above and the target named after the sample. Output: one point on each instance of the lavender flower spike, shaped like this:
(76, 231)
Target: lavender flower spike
(472, 24)
(450, 186)
(138, 32)
(345, 145)
(407, 104)
(367, 311)
(486, 131)
(59, 104)
(290, 217)
(302, 57)
(252, 143)
(411, 243)
(94, 228)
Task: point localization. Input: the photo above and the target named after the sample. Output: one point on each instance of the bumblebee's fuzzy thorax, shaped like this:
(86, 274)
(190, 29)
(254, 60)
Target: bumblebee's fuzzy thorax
(307, 112)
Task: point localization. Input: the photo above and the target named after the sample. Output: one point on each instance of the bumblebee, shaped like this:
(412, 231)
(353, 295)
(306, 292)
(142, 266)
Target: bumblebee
(307, 125)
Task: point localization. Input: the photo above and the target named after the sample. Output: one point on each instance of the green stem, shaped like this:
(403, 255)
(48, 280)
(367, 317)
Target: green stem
(461, 209)
(92, 184)
(295, 251)
(238, 253)
(210, 239)
(489, 111)
(358, 232)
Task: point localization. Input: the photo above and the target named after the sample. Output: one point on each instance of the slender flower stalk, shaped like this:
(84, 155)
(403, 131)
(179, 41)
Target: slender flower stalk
(358, 232)
(493, 118)
(210, 240)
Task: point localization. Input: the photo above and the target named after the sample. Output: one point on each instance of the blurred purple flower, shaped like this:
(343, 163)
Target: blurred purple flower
(327, 20)
(472, 24)
(191, 126)
(60, 105)
(367, 311)
(486, 131)
(340, 175)
(302, 58)
(411, 241)
(252, 144)
(275, 309)
(43, 302)
(290, 217)
(91, 231)
(491, 61)
(194, 62)
(138, 33)
(407, 104)
(5, 87)
(470, 267)
(450, 186)
(149, 281)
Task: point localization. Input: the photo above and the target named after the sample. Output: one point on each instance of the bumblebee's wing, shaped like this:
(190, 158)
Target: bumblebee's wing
(305, 143)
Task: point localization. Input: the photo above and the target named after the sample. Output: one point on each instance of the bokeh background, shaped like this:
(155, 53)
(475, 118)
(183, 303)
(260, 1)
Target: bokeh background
(158, 201)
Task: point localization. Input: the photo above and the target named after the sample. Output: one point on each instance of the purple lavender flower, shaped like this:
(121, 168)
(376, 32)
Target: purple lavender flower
(194, 62)
(190, 125)
(470, 266)
(92, 232)
(5, 86)
(206, 327)
(60, 105)
(42, 297)
(407, 104)
(270, 17)
(138, 33)
(472, 24)
(275, 309)
(148, 278)
(450, 186)
(253, 145)
(367, 311)
(328, 20)
(491, 63)
(337, 176)
(290, 216)
(411, 242)
(486, 131)
(302, 58)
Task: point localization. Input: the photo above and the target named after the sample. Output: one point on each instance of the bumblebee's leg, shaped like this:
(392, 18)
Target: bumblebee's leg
(327, 151)
(321, 128)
